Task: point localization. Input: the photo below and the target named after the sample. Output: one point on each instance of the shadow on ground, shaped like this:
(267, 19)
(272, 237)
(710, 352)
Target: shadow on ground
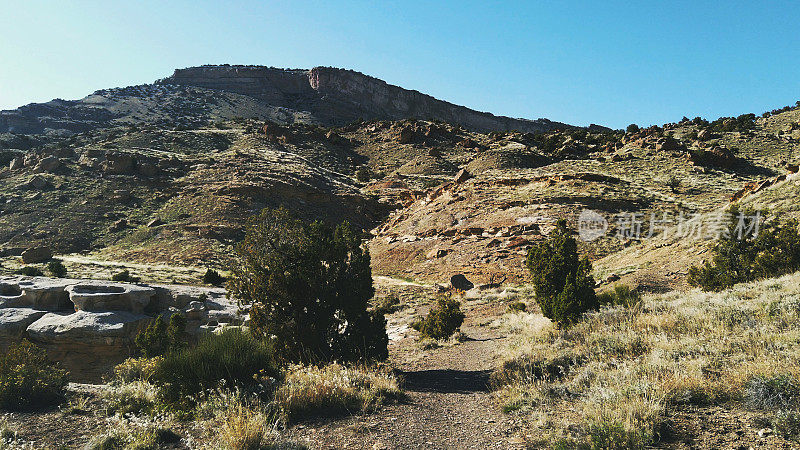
(447, 381)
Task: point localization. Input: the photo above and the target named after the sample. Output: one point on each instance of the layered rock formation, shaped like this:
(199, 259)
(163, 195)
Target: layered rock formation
(338, 97)
(90, 326)
(322, 95)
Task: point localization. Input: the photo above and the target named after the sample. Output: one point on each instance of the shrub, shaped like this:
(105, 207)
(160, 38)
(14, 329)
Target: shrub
(245, 428)
(30, 271)
(7, 435)
(442, 321)
(28, 380)
(673, 183)
(621, 295)
(388, 305)
(124, 276)
(308, 287)
(126, 437)
(363, 174)
(632, 128)
(517, 307)
(213, 277)
(160, 338)
(608, 435)
(787, 423)
(562, 281)
(233, 357)
(56, 268)
(780, 391)
(773, 252)
(312, 392)
(137, 369)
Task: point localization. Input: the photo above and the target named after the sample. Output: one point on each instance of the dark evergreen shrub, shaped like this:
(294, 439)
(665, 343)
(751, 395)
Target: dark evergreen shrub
(739, 257)
(442, 321)
(213, 277)
(307, 286)
(160, 337)
(56, 268)
(562, 280)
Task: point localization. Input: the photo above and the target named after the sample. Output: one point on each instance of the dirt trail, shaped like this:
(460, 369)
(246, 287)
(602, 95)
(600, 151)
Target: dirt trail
(449, 405)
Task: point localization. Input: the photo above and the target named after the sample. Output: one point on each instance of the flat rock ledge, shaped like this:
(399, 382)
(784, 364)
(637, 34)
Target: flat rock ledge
(89, 326)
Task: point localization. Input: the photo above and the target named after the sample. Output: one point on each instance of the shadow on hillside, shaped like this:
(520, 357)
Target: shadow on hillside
(447, 381)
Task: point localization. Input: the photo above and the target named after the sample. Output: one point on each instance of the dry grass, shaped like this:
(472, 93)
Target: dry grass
(616, 372)
(135, 397)
(127, 434)
(8, 435)
(334, 390)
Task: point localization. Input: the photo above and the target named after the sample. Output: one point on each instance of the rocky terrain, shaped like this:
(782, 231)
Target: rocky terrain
(89, 326)
(322, 95)
(160, 180)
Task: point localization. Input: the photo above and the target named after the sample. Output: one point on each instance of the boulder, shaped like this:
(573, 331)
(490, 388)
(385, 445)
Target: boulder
(195, 311)
(40, 293)
(460, 282)
(148, 170)
(462, 176)
(100, 296)
(36, 255)
(155, 222)
(49, 164)
(517, 241)
(87, 344)
(14, 322)
(38, 182)
(119, 225)
(436, 253)
(406, 135)
(119, 164)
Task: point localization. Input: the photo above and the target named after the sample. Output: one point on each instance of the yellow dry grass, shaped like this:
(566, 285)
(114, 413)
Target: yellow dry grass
(626, 366)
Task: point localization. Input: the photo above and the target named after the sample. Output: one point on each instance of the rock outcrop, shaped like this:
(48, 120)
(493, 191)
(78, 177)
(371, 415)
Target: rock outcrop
(90, 326)
(322, 95)
(338, 96)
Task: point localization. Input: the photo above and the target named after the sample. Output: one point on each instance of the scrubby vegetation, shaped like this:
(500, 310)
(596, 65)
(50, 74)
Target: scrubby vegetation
(740, 257)
(213, 277)
(30, 271)
(562, 280)
(124, 276)
(620, 295)
(234, 358)
(621, 370)
(307, 287)
(56, 268)
(28, 380)
(161, 337)
(309, 392)
(442, 321)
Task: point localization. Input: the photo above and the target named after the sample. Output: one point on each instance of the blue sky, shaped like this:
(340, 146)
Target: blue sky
(577, 62)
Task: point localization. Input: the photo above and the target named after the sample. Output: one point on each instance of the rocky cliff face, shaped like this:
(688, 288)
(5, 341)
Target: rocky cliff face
(199, 95)
(338, 97)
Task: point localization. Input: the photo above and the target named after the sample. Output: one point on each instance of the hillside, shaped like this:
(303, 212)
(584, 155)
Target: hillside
(139, 191)
(199, 95)
(170, 194)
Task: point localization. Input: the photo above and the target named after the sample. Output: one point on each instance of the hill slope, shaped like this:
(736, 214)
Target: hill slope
(197, 95)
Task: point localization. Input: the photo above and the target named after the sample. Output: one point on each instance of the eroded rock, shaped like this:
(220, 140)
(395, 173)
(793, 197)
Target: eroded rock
(90, 325)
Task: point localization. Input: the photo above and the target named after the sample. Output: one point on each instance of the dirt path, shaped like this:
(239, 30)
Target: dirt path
(449, 405)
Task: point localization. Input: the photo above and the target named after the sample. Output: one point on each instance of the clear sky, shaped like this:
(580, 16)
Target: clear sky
(611, 63)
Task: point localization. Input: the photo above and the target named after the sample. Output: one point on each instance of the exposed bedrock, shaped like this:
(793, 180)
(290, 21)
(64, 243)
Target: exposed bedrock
(89, 326)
